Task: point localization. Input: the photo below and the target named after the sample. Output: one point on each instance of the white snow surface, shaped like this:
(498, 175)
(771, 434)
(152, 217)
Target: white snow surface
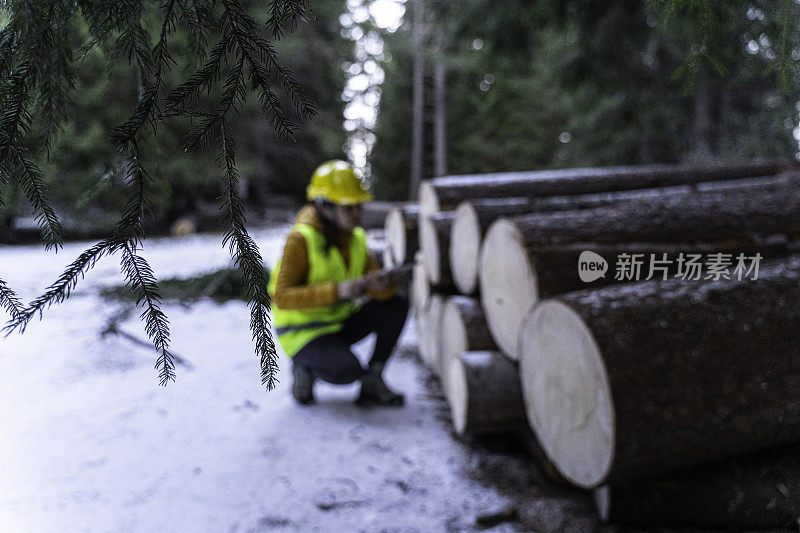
(90, 442)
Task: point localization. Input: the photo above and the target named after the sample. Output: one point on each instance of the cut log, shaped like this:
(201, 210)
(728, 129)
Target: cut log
(376, 244)
(463, 329)
(704, 216)
(755, 492)
(471, 220)
(473, 217)
(401, 232)
(445, 193)
(434, 236)
(387, 261)
(420, 286)
(373, 215)
(483, 392)
(429, 324)
(628, 381)
(587, 201)
(544, 248)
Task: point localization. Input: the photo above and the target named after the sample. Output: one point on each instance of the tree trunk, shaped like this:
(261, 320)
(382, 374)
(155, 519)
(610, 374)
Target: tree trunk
(544, 249)
(755, 492)
(418, 99)
(447, 192)
(483, 392)
(440, 109)
(401, 232)
(633, 380)
(463, 329)
(434, 240)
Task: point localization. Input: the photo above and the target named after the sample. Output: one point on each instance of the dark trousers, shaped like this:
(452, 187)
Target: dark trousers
(329, 357)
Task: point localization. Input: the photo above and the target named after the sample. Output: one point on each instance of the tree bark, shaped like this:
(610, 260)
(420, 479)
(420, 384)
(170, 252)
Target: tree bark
(633, 380)
(483, 393)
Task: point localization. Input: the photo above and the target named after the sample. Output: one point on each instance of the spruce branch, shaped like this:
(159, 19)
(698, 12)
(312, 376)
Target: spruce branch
(36, 65)
(31, 180)
(61, 289)
(15, 118)
(201, 81)
(285, 16)
(248, 259)
(142, 282)
(55, 67)
(9, 300)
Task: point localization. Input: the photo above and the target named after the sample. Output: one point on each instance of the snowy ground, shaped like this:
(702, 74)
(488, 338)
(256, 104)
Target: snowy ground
(90, 442)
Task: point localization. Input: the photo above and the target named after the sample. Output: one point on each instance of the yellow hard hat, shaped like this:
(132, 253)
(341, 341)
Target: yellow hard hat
(336, 181)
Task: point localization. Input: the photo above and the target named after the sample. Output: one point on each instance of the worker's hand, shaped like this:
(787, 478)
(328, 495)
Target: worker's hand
(351, 288)
(377, 280)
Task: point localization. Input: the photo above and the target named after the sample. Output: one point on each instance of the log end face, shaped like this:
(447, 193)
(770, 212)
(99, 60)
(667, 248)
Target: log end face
(429, 328)
(396, 235)
(465, 240)
(453, 333)
(428, 200)
(457, 393)
(429, 244)
(507, 282)
(420, 287)
(567, 393)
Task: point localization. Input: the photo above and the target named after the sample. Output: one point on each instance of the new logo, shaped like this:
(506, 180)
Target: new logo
(591, 266)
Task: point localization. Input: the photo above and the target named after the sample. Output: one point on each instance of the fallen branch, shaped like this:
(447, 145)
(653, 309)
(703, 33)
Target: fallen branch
(113, 329)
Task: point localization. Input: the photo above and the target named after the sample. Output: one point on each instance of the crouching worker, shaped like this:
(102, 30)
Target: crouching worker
(319, 284)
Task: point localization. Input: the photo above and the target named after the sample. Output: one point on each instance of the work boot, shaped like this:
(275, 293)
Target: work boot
(374, 391)
(303, 384)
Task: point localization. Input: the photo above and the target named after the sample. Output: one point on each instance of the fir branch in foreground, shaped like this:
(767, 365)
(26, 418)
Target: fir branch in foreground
(248, 260)
(31, 180)
(116, 30)
(142, 282)
(61, 289)
(285, 15)
(9, 300)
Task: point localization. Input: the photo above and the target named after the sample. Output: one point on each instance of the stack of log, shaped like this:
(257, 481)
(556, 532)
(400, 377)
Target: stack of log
(631, 385)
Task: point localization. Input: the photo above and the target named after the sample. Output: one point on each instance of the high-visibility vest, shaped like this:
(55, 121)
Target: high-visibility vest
(298, 327)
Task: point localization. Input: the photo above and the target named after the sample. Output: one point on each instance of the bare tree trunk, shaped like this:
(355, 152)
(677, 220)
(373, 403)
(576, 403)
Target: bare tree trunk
(418, 110)
(440, 109)
(702, 118)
